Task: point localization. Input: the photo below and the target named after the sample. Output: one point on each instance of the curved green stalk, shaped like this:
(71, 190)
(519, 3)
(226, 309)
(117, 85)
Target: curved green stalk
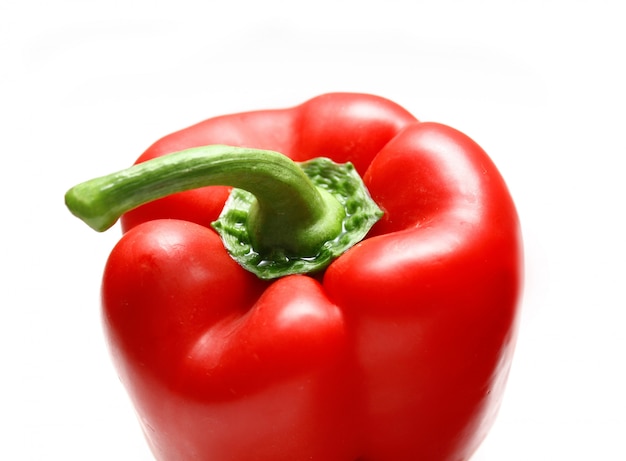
(281, 214)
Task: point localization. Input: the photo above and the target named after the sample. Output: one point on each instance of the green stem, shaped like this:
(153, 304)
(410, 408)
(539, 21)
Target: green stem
(281, 218)
(289, 213)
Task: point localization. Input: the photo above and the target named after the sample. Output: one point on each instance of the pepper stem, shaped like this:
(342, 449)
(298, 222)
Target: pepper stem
(286, 215)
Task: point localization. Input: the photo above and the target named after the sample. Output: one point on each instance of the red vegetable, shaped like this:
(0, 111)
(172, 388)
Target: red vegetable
(396, 349)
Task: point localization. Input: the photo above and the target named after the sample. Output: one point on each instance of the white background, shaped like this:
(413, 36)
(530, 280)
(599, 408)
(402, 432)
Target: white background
(86, 86)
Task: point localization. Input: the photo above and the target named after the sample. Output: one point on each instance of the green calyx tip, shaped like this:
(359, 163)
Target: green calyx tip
(350, 207)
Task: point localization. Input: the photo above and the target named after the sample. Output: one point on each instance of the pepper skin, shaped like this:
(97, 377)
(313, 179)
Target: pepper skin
(398, 351)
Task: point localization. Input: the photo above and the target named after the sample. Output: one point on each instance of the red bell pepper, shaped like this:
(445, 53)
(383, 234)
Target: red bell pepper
(396, 349)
